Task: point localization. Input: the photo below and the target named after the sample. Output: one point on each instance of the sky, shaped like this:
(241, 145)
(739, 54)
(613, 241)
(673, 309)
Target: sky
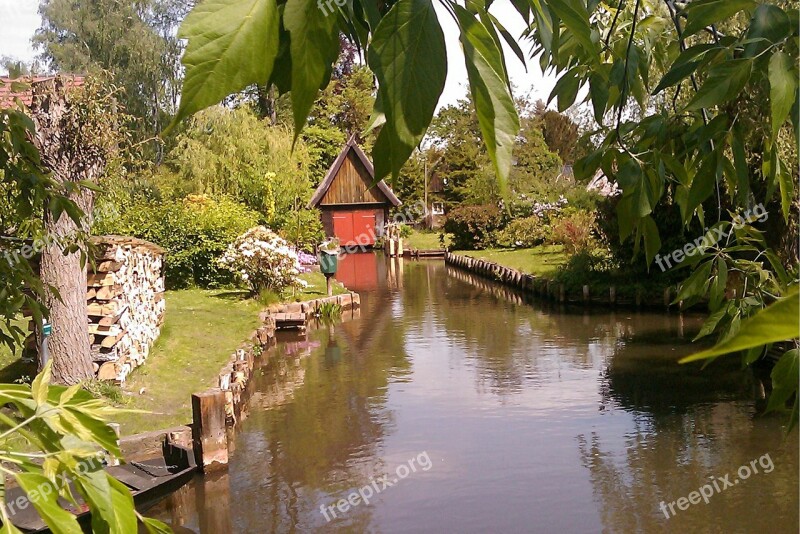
(19, 19)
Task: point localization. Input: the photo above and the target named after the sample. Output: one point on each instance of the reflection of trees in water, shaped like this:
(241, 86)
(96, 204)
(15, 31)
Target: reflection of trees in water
(644, 376)
(319, 444)
(515, 345)
(630, 477)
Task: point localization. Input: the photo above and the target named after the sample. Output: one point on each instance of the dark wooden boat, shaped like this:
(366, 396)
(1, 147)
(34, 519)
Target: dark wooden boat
(149, 482)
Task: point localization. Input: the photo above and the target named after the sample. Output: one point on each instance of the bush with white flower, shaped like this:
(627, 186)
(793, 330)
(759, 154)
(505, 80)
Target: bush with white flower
(264, 261)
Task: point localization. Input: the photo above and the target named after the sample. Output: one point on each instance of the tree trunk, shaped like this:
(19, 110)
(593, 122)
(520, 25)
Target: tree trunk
(61, 137)
(69, 343)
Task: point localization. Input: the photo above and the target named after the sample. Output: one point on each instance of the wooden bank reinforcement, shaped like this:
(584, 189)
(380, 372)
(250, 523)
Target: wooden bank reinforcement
(551, 290)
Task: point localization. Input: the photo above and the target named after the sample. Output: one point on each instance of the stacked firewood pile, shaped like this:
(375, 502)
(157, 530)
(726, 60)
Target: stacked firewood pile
(125, 304)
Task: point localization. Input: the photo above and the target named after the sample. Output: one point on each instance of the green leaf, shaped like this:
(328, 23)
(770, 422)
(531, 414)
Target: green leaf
(43, 495)
(720, 282)
(598, 91)
(95, 488)
(154, 526)
(711, 323)
(652, 240)
(784, 380)
(314, 46)
(786, 182)
(782, 88)
(696, 284)
(770, 24)
(124, 510)
(576, 18)
(675, 75)
(9, 528)
(497, 115)
(544, 24)
(566, 89)
(777, 322)
(703, 183)
(231, 44)
(704, 13)
(724, 82)
(408, 56)
(41, 383)
(740, 164)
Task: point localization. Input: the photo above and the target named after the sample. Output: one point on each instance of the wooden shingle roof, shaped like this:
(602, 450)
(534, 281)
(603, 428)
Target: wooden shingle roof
(351, 144)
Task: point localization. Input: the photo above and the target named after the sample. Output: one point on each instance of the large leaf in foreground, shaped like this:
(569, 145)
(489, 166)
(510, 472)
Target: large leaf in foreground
(314, 45)
(778, 322)
(497, 115)
(408, 56)
(782, 88)
(231, 44)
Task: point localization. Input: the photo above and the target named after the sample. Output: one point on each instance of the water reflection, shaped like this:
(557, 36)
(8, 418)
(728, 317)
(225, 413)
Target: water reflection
(536, 419)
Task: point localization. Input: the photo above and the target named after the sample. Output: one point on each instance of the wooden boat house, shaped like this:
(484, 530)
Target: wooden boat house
(353, 207)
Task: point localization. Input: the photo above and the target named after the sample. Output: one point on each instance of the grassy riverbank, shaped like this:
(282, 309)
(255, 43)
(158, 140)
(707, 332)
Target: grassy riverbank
(424, 240)
(540, 261)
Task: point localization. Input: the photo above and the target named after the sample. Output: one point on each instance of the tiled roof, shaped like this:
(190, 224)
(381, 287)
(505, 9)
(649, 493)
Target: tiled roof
(8, 95)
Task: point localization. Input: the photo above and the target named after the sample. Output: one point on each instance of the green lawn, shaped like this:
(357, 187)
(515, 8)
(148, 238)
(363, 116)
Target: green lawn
(424, 240)
(201, 331)
(540, 261)
(317, 288)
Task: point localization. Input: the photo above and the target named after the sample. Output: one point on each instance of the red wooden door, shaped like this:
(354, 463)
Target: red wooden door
(355, 227)
(343, 227)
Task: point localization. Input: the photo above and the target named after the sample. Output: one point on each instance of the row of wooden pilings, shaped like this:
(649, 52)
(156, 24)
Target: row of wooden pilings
(216, 411)
(558, 292)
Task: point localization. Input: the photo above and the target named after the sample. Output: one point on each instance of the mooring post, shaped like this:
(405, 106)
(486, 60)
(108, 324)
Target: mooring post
(209, 435)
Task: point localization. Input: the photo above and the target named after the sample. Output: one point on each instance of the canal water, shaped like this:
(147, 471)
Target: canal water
(452, 406)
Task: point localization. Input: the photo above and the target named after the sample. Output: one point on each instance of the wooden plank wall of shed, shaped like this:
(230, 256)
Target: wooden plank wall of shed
(351, 185)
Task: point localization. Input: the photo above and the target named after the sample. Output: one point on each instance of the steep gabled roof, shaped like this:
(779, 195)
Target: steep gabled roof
(351, 144)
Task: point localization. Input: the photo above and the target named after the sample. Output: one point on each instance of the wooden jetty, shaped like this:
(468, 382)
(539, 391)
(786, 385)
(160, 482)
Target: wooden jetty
(417, 254)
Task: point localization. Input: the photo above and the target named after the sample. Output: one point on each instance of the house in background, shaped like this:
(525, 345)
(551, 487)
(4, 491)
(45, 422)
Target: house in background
(435, 201)
(354, 208)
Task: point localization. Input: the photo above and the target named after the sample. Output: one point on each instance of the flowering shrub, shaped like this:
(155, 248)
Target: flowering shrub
(306, 261)
(574, 229)
(264, 261)
(524, 233)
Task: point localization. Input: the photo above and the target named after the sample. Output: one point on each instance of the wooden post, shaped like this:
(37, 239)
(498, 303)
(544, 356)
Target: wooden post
(585, 293)
(612, 294)
(209, 435)
(329, 284)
